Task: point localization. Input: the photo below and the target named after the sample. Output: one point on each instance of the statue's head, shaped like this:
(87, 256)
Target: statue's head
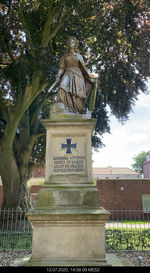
(72, 42)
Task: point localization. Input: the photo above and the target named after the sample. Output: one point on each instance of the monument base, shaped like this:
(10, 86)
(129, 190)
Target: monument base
(67, 263)
(68, 224)
(68, 237)
(112, 260)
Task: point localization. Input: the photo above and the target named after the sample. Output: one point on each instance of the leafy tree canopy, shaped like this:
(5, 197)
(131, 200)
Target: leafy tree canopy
(138, 162)
(114, 41)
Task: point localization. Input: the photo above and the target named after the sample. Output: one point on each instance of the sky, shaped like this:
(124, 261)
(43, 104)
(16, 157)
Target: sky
(128, 140)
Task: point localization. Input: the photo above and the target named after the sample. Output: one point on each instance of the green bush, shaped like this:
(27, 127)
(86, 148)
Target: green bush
(116, 239)
(16, 241)
(127, 239)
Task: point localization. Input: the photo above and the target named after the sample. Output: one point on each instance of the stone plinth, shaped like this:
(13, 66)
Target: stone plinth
(68, 224)
(68, 151)
(68, 238)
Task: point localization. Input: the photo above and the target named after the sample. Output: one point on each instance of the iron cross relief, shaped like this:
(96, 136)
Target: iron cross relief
(68, 145)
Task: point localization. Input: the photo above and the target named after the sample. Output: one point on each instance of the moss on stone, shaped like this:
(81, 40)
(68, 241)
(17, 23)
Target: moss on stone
(91, 198)
(45, 198)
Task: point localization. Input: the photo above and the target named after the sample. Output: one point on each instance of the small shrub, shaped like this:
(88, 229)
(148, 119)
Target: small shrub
(15, 241)
(127, 239)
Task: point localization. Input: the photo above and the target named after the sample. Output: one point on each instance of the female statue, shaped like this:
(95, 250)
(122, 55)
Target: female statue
(75, 82)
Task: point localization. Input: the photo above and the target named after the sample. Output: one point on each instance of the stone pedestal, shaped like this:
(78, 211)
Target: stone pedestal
(68, 224)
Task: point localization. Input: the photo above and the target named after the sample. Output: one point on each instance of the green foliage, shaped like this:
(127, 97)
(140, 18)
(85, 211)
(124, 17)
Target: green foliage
(15, 241)
(114, 41)
(116, 239)
(127, 239)
(138, 161)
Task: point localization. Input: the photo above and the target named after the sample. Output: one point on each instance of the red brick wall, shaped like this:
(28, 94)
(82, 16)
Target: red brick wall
(34, 194)
(130, 197)
(35, 189)
(111, 195)
(39, 172)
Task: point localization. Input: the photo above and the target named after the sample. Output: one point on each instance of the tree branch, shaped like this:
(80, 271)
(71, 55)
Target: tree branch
(35, 136)
(60, 23)
(25, 27)
(3, 109)
(8, 13)
(6, 40)
(55, 13)
(37, 105)
(48, 23)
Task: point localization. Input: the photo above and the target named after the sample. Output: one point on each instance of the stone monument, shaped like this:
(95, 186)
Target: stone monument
(68, 223)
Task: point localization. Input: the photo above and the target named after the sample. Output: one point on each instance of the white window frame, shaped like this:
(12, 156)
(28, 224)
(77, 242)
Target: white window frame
(146, 203)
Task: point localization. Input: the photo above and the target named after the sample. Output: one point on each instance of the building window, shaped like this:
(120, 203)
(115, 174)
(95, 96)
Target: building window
(146, 202)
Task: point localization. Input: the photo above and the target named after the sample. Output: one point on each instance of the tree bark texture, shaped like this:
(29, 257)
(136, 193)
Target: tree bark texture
(14, 164)
(15, 192)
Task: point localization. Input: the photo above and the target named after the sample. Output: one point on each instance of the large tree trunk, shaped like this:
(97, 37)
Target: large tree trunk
(25, 201)
(15, 192)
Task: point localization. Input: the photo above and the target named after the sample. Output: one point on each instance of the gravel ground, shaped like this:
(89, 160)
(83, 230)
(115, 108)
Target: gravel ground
(133, 255)
(8, 257)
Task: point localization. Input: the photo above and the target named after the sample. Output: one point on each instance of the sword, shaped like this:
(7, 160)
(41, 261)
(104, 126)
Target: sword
(52, 86)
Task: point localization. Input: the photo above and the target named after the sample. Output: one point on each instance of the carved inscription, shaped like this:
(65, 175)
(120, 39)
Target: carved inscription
(69, 164)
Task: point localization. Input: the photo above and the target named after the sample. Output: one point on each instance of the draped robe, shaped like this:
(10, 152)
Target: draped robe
(75, 86)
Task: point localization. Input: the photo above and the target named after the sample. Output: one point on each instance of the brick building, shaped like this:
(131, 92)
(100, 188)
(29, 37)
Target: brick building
(115, 173)
(125, 194)
(39, 172)
(114, 193)
(146, 166)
